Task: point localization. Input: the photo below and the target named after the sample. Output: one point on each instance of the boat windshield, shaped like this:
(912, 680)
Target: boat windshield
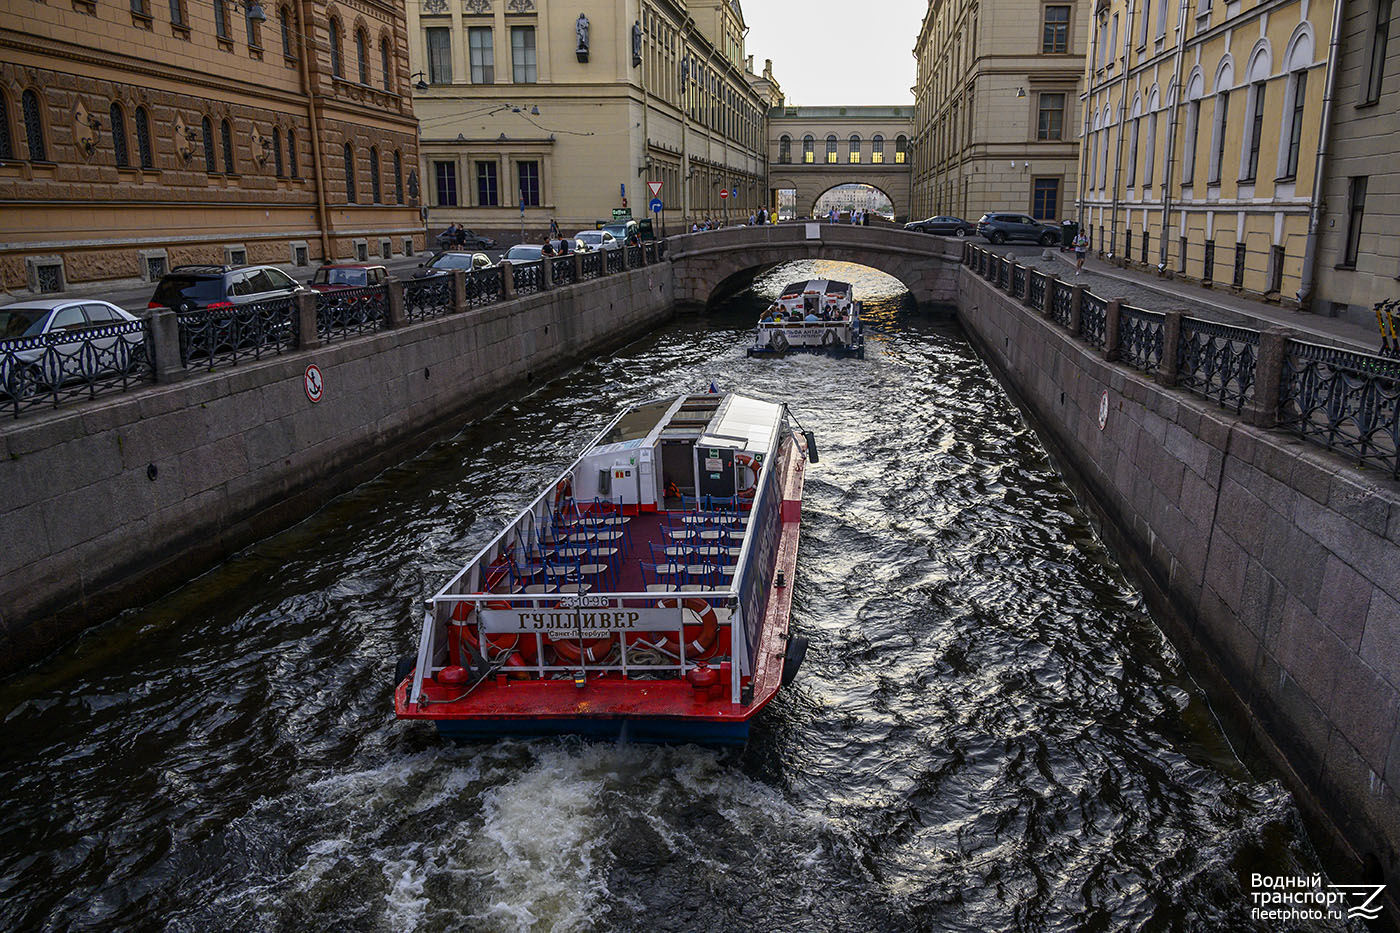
(637, 423)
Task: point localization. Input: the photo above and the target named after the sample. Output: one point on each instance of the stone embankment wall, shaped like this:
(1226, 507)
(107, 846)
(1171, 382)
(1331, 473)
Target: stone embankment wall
(1272, 564)
(112, 502)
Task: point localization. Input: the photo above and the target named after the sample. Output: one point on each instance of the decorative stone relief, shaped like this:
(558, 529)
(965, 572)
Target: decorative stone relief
(184, 139)
(521, 6)
(434, 6)
(478, 6)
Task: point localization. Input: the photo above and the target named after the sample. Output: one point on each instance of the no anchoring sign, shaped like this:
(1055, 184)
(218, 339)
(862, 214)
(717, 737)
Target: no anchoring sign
(314, 386)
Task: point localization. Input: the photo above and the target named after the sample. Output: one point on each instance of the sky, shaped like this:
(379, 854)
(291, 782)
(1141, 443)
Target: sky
(835, 51)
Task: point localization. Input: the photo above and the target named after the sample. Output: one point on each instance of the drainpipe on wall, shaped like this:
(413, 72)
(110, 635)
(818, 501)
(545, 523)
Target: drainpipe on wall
(1122, 129)
(319, 168)
(1171, 136)
(1305, 294)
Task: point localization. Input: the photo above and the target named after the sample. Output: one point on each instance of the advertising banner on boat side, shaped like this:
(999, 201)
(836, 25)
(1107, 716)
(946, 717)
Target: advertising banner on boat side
(596, 623)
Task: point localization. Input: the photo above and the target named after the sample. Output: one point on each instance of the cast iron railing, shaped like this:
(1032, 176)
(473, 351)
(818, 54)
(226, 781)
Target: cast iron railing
(1037, 289)
(1347, 402)
(223, 336)
(593, 265)
(1061, 303)
(425, 298)
(351, 311)
(1140, 336)
(1217, 361)
(1018, 281)
(614, 259)
(634, 256)
(528, 276)
(562, 269)
(1093, 319)
(54, 368)
(483, 286)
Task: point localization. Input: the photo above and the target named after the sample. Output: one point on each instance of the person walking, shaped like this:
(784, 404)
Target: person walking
(1081, 246)
(553, 228)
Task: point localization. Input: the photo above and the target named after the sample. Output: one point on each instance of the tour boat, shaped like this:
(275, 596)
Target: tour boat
(814, 315)
(645, 594)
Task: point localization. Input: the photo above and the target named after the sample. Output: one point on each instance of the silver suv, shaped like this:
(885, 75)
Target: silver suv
(194, 288)
(998, 228)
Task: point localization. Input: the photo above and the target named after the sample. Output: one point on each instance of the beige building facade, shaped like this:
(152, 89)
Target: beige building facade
(996, 104)
(815, 149)
(535, 110)
(139, 136)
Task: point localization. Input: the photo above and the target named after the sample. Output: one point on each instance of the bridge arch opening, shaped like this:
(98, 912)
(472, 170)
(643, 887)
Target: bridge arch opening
(746, 293)
(852, 196)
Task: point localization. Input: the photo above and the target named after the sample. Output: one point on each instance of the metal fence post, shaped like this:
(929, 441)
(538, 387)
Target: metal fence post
(1171, 342)
(164, 328)
(394, 316)
(1047, 301)
(1268, 376)
(1111, 321)
(309, 337)
(507, 281)
(459, 290)
(1076, 308)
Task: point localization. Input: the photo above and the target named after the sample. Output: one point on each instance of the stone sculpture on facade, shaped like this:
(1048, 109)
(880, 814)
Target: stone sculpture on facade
(581, 28)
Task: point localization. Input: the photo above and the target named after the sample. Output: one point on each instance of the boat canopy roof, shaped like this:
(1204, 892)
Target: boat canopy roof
(729, 420)
(819, 286)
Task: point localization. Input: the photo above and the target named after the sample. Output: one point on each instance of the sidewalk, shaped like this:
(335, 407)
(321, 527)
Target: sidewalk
(1147, 291)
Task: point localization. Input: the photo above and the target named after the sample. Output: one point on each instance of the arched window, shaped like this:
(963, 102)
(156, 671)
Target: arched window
(901, 149)
(785, 149)
(349, 174)
(226, 138)
(854, 154)
(210, 165)
(7, 145)
(831, 149)
(374, 175)
(292, 153)
(398, 177)
(143, 138)
(386, 62)
(336, 58)
(119, 135)
(809, 146)
(284, 16)
(362, 50)
(877, 149)
(277, 151)
(33, 127)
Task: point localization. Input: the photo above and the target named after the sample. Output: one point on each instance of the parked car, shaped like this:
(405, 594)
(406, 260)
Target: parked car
(64, 326)
(943, 226)
(998, 228)
(467, 240)
(193, 288)
(444, 263)
(525, 252)
(338, 276)
(597, 239)
(622, 229)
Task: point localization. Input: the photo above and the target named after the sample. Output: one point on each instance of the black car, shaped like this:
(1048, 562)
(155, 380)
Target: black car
(998, 228)
(464, 239)
(443, 263)
(193, 288)
(943, 226)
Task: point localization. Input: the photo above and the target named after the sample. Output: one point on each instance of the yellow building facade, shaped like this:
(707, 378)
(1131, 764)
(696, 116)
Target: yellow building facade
(1201, 129)
(139, 136)
(813, 150)
(534, 110)
(996, 106)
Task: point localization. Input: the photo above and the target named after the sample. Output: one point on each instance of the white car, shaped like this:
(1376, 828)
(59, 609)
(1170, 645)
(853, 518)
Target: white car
(49, 342)
(598, 239)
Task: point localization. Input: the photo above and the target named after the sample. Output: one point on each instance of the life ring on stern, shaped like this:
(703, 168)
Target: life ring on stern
(752, 465)
(594, 650)
(703, 643)
(506, 649)
(564, 489)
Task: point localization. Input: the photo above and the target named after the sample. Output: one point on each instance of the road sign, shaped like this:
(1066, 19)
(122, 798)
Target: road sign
(656, 206)
(734, 192)
(655, 187)
(723, 193)
(315, 388)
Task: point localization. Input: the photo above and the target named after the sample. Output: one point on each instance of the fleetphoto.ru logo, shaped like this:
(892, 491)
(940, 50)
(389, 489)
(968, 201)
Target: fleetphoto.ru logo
(1290, 898)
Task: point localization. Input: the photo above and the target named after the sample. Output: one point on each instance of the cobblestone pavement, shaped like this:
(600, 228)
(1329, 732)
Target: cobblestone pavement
(1112, 282)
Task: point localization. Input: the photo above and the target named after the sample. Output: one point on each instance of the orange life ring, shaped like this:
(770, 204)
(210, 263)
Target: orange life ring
(594, 649)
(752, 466)
(508, 646)
(703, 644)
(563, 490)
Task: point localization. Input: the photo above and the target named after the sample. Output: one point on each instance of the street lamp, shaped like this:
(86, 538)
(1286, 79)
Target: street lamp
(419, 83)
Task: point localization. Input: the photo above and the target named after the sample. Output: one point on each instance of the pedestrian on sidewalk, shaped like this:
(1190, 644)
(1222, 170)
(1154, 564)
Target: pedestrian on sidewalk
(1081, 246)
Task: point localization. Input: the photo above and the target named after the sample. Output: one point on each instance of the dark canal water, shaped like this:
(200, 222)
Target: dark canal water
(989, 733)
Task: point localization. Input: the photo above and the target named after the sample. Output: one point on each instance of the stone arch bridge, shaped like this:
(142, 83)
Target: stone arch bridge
(712, 265)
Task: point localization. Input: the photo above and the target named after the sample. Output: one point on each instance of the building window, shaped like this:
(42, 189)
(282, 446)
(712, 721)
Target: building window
(483, 55)
(901, 149)
(374, 192)
(1276, 269)
(809, 145)
(350, 193)
(119, 136)
(33, 126)
(1356, 210)
(439, 55)
(853, 156)
(1052, 117)
(292, 153)
(1149, 158)
(522, 54)
(337, 68)
(221, 19)
(529, 182)
(398, 177)
(385, 62)
(1222, 118)
(1380, 36)
(1256, 133)
(1133, 151)
(277, 164)
(877, 149)
(446, 175)
(1056, 34)
(487, 194)
(254, 33)
(1208, 269)
(139, 8)
(1045, 199)
(143, 138)
(1238, 277)
(226, 137)
(362, 54)
(831, 150)
(210, 165)
(1295, 128)
(1146, 247)
(284, 21)
(177, 13)
(785, 149)
(1188, 156)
